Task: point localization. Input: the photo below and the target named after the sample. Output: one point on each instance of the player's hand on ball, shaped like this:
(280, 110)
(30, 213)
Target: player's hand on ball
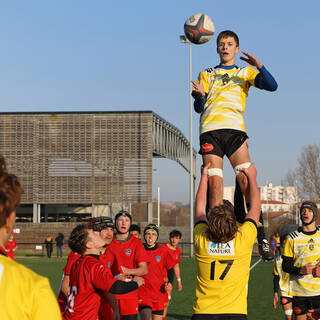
(199, 87)
(251, 59)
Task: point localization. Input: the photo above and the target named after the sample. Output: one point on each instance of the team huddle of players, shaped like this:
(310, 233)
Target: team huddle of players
(297, 272)
(111, 274)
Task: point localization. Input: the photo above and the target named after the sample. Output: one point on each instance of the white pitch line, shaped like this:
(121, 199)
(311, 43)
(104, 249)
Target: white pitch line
(255, 264)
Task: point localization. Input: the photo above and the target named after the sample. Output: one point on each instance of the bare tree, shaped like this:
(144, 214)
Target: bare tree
(307, 174)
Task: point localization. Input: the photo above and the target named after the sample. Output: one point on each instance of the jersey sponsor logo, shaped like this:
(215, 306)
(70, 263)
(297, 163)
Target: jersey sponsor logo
(158, 258)
(177, 257)
(128, 252)
(220, 249)
(109, 265)
(207, 147)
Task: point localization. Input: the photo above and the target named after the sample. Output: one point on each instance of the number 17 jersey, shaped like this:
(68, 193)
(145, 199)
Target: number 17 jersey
(223, 270)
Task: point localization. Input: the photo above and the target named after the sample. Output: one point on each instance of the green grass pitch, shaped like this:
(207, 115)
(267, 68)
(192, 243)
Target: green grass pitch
(260, 295)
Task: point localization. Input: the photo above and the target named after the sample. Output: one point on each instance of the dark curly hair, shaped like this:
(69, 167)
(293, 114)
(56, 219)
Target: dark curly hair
(221, 223)
(10, 192)
(79, 238)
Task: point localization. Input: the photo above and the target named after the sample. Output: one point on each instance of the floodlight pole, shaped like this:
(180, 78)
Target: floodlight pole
(184, 40)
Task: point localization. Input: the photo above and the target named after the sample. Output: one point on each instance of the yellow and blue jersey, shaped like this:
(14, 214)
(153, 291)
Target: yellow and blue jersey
(226, 90)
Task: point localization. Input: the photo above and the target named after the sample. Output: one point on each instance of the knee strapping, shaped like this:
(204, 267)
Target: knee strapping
(215, 172)
(241, 166)
(288, 312)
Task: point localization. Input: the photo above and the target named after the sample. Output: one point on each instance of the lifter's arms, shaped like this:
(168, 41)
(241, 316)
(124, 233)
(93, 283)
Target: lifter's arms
(254, 195)
(201, 197)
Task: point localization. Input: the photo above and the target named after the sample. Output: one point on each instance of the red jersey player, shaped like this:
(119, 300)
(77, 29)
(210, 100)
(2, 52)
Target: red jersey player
(173, 249)
(130, 260)
(11, 246)
(89, 277)
(153, 295)
(105, 226)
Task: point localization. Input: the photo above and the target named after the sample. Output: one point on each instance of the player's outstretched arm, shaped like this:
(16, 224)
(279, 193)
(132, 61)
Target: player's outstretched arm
(264, 79)
(251, 59)
(254, 196)
(201, 197)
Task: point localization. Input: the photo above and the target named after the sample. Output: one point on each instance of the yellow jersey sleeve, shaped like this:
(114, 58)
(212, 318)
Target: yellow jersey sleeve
(288, 248)
(251, 75)
(275, 270)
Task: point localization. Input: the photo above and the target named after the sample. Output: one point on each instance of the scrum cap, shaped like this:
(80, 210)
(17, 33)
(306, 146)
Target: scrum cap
(121, 214)
(312, 206)
(151, 226)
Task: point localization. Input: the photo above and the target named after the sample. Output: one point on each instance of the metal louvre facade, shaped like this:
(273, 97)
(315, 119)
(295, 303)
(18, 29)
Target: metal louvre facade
(88, 157)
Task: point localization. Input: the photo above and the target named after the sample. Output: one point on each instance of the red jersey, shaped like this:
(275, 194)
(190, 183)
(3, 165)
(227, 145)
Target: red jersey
(72, 257)
(87, 279)
(105, 310)
(160, 262)
(10, 246)
(176, 254)
(128, 254)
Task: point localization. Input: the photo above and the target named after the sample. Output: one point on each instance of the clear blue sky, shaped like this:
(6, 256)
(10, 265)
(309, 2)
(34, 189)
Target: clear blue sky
(99, 55)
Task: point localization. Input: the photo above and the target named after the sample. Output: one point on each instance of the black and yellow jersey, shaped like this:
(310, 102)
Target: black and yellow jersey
(303, 247)
(223, 270)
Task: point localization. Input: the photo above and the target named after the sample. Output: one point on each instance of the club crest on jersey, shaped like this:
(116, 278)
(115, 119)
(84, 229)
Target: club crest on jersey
(128, 252)
(220, 249)
(311, 244)
(177, 256)
(109, 264)
(225, 79)
(158, 258)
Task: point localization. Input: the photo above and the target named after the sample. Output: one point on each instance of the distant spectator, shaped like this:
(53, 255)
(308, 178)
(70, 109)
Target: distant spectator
(273, 244)
(59, 243)
(49, 245)
(11, 246)
(135, 230)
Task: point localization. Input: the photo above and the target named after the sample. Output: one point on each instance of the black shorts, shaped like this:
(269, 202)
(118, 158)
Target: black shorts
(221, 142)
(222, 316)
(285, 300)
(301, 305)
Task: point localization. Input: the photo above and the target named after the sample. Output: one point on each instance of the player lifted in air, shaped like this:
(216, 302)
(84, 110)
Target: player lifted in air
(301, 258)
(223, 253)
(154, 294)
(220, 96)
(130, 260)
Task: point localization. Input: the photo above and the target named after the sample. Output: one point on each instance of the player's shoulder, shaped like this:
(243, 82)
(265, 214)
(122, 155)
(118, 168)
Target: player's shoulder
(200, 226)
(295, 234)
(18, 270)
